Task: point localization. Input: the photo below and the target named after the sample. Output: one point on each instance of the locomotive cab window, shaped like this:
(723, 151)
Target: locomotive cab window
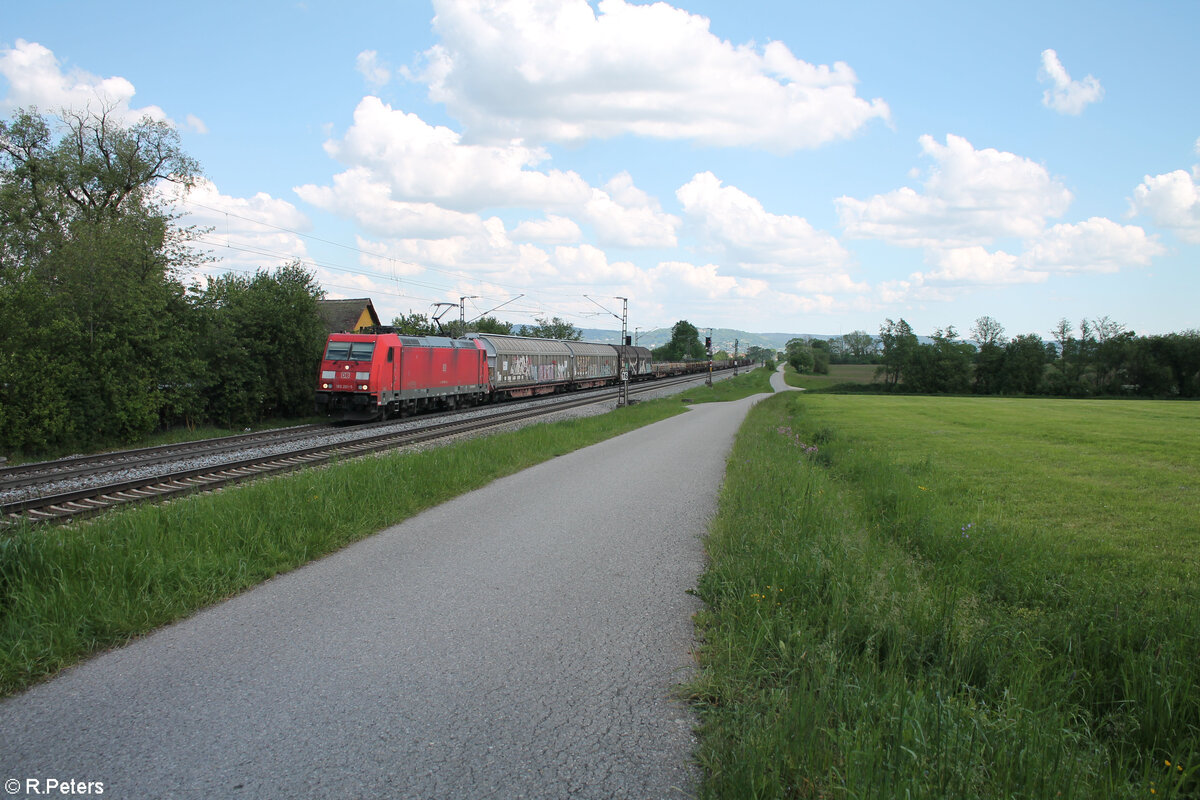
(361, 351)
(337, 351)
(391, 354)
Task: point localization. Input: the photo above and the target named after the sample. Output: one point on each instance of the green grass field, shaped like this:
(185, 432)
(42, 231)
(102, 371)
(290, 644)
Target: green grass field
(838, 374)
(955, 597)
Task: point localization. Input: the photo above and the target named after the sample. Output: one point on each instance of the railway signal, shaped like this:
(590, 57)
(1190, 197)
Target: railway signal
(708, 349)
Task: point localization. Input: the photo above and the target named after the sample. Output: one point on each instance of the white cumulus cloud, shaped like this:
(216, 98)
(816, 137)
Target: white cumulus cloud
(1066, 96)
(357, 194)
(551, 230)
(971, 197)
(737, 225)
(1094, 245)
(489, 253)
(975, 265)
(425, 163)
(557, 70)
(587, 264)
(1172, 201)
(707, 281)
(624, 215)
(36, 78)
(374, 71)
(403, 172)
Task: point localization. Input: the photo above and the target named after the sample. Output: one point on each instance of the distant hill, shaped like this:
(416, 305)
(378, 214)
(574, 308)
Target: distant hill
(723, 338)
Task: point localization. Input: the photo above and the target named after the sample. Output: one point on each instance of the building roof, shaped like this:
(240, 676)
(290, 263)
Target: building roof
(346, 316)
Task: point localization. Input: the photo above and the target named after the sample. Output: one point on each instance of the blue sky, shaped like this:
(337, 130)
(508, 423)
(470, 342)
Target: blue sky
(789, 166)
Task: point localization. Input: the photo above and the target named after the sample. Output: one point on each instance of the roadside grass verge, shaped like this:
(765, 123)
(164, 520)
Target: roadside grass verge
(954, 597)
(68, 592)
(724, 390)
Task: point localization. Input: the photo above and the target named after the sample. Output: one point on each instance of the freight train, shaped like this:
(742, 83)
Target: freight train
(371, 376)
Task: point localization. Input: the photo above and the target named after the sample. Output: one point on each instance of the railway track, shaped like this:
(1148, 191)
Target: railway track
(63, 506)
(81, 466)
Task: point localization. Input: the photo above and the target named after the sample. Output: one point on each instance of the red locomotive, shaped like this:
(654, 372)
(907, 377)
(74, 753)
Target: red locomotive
(376, 376)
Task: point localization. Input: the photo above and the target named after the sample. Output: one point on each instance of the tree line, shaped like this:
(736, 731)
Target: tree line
(103, 339)
(1098, 358)
(413, 324)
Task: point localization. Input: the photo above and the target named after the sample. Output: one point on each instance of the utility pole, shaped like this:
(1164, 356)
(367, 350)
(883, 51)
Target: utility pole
(622, 367)
(735, 349)
(623, 362)
(462, 308)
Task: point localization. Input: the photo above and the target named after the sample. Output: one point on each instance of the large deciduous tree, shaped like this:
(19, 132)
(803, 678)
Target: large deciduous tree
(263, 340)
(760, 353)
(899, 347)
(989, 360)
(858, 347)
(100, 340)
(944, 366)
(1024, 365)
(799, 355)
(684, 344)
(90, 264)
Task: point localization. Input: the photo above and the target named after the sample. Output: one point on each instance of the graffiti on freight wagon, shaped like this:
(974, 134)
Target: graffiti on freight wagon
(525, 368)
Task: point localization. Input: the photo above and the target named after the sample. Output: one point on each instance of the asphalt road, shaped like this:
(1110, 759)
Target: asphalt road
(523, 640)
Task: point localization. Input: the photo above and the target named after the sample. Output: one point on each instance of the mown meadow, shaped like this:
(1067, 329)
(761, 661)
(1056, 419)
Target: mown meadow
(839, 375)
(954, 597)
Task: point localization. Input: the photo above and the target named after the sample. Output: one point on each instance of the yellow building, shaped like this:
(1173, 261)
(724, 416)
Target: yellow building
(348, 316)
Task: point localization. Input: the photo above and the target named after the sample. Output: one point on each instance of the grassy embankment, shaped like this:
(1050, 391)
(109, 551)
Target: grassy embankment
(955, 597)
(67, 592)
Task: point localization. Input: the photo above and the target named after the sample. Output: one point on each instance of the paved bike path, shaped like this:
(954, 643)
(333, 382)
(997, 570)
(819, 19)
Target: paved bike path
(523, 640)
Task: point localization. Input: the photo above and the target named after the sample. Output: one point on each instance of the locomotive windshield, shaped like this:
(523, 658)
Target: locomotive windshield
(349, 351)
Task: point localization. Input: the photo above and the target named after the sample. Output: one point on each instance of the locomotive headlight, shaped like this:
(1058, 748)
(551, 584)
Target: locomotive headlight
(363, 387)
(362, 376)
(324, 385)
